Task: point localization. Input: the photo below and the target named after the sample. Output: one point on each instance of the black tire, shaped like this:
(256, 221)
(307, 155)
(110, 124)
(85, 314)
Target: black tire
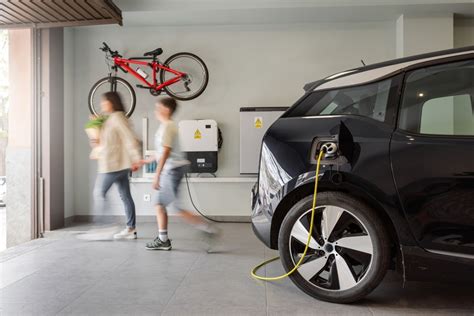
(365, 282)
(131, 97)
(195, 94)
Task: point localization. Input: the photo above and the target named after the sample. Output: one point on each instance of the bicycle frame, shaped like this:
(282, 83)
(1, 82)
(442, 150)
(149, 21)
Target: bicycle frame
(124, 64)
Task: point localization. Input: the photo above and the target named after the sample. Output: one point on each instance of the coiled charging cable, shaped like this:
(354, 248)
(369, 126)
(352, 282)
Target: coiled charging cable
(313, 211)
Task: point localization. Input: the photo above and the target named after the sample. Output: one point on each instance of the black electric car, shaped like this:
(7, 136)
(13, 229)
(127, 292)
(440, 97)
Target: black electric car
(398, 191)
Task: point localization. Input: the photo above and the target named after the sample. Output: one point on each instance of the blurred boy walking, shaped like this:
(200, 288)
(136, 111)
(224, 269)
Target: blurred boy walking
(169, 173)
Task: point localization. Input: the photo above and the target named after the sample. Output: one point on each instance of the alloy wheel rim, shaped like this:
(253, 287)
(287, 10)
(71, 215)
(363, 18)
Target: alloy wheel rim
(340, 252)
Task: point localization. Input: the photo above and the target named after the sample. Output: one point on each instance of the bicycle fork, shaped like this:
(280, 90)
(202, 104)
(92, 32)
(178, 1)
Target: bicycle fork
(113, 83)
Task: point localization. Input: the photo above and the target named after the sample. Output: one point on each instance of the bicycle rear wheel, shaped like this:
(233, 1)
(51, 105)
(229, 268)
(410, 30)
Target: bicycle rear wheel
(112, 84)
(195, 82)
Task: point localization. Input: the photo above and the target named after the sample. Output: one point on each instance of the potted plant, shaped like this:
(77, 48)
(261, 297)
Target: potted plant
(93, 127)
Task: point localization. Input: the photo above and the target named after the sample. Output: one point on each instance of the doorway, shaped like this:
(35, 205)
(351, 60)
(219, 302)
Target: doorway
(4, 94)
(16, 92)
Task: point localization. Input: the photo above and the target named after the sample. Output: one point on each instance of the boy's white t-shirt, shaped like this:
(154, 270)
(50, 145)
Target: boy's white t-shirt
(167, 136)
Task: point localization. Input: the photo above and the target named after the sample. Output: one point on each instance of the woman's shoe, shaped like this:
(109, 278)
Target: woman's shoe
(127, 233)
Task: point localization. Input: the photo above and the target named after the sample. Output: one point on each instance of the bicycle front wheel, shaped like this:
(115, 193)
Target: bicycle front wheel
(116, 84)
(193, 84)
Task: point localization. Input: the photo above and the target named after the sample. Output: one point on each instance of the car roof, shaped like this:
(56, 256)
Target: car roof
(378, 71)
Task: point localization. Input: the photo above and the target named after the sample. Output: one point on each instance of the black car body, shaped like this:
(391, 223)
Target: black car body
(401, 154)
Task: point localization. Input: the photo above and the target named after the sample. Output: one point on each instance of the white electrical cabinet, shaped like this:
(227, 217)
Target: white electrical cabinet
(199, 141)
(254, 122)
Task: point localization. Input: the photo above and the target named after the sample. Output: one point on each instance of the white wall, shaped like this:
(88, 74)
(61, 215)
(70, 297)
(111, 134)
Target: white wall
(249, 66)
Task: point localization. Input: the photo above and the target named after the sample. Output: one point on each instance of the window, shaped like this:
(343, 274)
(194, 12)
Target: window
(367, 100)
(438, 100)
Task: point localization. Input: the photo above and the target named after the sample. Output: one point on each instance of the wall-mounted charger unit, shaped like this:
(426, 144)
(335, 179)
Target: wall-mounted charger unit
(199, 142)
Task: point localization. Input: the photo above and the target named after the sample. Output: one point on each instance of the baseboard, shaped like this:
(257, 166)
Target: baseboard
(111, 219)
(68, 221)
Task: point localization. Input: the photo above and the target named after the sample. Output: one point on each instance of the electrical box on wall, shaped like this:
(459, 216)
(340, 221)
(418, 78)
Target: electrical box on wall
(254, 122)
(199, 142)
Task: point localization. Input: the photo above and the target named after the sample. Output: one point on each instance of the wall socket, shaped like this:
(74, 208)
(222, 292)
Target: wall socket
(147, 197)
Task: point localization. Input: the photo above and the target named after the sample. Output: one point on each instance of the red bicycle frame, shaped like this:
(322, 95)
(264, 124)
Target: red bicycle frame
(124, 64)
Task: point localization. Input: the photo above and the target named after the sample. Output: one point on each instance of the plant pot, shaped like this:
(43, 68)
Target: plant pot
(93, 133)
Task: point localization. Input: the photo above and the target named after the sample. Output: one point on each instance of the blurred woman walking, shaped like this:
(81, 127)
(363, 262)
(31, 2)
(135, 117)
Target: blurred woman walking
(118, 153)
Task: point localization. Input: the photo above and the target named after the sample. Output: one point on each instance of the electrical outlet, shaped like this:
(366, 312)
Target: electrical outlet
(147, 197)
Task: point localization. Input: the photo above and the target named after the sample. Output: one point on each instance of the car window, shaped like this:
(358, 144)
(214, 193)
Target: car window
(438, 100)
(367, 100)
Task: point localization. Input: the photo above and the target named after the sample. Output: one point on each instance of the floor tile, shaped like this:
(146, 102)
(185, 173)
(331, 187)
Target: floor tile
(111, 309)
(65, 275)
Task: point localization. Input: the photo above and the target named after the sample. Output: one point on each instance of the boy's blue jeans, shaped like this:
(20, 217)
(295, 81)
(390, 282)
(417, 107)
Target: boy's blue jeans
(102, 186)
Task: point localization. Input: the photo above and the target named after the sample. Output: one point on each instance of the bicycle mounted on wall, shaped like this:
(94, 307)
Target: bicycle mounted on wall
(187, 83)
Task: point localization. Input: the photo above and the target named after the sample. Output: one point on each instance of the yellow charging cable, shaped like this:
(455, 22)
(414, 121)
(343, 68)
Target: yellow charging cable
(313, 211)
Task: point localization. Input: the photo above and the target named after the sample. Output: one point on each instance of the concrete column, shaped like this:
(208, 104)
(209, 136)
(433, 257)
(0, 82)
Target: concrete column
(416, 35)
(18, 155)
(52, 122)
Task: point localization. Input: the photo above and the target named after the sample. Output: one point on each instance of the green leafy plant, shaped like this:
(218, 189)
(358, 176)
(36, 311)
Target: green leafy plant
(96, 122)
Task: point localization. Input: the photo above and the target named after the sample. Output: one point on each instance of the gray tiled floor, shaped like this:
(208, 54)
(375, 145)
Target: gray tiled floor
(64, 275)
(3, 228)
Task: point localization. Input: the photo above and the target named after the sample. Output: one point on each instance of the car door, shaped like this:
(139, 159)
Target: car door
(432, 155)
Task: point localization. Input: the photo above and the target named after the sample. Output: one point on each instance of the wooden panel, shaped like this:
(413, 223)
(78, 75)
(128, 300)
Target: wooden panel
(105, 10)
(69, 8)
(78, 8)
(18, 6)
(38, 7)
(90, 9)
(25, 6)
(57, 13)
(5, 19)
(64, 11)
(15, 15)
(58, 16)
(6, 12)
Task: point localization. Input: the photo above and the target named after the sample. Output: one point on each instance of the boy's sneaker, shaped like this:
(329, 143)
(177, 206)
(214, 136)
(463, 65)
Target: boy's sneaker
(127, 233)
(157, 244)
(210, 237)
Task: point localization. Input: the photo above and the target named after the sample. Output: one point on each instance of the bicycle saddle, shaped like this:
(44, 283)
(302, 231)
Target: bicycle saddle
(155, 52)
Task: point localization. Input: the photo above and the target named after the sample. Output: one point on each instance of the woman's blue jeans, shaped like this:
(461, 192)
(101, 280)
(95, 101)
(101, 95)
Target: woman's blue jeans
(102, 186)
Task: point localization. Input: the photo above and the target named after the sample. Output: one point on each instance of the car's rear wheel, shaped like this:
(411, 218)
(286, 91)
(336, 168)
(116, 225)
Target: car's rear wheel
(349, 251)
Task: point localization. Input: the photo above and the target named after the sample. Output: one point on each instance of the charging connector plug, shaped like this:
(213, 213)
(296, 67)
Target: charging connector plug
(329, 149)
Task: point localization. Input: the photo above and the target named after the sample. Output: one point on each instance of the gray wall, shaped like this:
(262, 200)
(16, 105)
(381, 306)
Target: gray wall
(69, 79)
(52, 135)
(249, 65)
(463, 32)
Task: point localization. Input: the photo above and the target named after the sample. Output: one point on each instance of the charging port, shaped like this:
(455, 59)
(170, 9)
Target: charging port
(329, 149)
(330, 146)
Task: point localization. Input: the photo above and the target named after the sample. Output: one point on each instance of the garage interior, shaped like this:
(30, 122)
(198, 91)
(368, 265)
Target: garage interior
(259, 54)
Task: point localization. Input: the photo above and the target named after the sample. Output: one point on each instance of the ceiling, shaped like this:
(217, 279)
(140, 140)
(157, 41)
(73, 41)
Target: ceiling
(228, 12)
(57, 13)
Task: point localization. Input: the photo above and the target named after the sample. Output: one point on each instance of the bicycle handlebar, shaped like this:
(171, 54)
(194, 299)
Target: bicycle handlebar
(106, 48)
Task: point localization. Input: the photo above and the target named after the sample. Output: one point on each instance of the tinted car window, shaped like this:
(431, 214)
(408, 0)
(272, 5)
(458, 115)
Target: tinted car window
(367, 100)
(438, 100)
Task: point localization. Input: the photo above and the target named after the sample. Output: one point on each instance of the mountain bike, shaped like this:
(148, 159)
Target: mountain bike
(183, 76)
